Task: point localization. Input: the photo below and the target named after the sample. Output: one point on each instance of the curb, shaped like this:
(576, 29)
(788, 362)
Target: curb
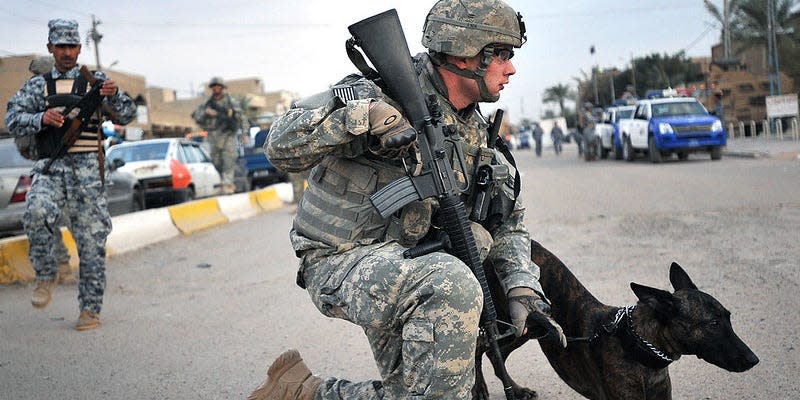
(745, 154)
(135, 230)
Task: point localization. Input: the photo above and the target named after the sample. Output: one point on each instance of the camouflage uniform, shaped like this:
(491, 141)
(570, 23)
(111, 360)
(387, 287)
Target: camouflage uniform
(221, 140)
(420, 315)
(73, 185)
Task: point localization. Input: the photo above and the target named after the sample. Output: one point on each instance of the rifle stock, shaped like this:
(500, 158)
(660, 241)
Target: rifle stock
(382, 39)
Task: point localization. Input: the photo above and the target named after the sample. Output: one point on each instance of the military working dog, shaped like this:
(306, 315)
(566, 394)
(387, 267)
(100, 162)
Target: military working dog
(624, 352)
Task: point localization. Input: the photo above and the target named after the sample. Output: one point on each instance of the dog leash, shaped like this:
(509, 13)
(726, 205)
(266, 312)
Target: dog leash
(608, 329)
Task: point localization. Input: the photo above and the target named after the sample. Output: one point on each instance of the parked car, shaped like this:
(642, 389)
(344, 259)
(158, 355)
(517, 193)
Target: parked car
(170, 170)
(15, 183)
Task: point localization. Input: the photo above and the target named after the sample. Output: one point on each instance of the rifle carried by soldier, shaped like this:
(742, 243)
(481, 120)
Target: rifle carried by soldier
(382, 39)
(73, 126)
(226, 117)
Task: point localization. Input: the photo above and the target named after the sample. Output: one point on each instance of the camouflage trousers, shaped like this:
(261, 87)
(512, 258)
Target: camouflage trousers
(73, 185)
(222, 146)
(420, 316)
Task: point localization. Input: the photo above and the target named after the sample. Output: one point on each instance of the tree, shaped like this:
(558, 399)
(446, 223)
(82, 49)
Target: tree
(724, 17)
(558, 94)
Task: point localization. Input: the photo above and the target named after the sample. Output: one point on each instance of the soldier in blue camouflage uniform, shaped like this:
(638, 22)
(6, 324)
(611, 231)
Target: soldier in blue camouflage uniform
(421, 315)
(73, 182)
(221, 116)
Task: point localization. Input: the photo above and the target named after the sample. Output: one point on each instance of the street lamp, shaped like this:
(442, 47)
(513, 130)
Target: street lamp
(594, 75)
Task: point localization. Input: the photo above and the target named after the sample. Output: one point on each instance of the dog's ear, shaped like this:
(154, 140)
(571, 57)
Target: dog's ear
(679, 278)
(662, 301)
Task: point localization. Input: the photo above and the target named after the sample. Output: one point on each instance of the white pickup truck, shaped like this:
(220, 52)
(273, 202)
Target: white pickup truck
(674, 125)
(608, 130)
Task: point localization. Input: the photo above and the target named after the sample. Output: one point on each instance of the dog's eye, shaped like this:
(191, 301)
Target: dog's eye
(714, 323)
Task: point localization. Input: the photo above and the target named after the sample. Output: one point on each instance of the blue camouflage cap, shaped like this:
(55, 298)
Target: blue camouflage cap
(63, 31)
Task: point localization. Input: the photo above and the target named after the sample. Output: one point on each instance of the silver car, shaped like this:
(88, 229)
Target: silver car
(122, 189)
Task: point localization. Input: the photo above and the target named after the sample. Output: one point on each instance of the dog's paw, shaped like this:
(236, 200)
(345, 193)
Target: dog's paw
(521, 393)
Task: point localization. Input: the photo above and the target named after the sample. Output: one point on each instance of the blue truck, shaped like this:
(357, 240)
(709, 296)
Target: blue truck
(672, 125)
(253, 167)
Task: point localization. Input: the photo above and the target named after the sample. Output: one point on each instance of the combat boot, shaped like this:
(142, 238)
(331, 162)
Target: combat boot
(288, 378)
(87, 320)
(42, 294)
(65, 275)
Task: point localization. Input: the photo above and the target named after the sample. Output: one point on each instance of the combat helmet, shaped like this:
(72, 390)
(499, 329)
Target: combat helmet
(466, 28)
(216, 81)
(463, 28)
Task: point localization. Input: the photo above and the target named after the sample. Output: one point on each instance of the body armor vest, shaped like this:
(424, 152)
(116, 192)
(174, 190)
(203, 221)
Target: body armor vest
(335, 209)
(62, 93)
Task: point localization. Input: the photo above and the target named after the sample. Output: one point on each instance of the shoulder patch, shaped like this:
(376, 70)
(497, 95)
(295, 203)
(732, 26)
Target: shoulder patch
(345, 93)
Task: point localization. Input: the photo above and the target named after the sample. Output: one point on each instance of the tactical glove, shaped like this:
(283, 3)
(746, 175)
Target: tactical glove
(392, 133)
(525, 306)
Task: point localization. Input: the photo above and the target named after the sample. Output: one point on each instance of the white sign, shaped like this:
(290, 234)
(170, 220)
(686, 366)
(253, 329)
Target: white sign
(782, 106)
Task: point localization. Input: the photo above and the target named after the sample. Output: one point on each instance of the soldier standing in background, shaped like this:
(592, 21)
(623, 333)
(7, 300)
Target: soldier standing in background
(221, 117)
(72, 182)
(420, 315)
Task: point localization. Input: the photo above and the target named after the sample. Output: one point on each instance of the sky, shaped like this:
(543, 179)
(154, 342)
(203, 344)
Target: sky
(298, 45)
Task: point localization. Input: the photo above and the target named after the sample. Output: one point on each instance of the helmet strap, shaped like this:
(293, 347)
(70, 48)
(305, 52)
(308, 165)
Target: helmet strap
(478, 75)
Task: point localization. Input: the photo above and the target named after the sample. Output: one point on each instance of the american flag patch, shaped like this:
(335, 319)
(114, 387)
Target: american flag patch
(345, 93)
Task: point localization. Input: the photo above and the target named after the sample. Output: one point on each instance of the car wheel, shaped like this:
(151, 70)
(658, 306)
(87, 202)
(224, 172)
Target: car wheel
(716, 153)
(190, 194)
(628, 151)
(683, 155)
(138, 201)
(653, 151)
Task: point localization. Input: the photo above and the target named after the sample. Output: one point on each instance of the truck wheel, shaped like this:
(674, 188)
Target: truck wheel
(653, 151)
(602, 150)
(716, 153)
(628, 151)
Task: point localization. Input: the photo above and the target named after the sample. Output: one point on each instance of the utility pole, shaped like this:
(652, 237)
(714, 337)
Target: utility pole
(633, 75)
(772, 51)
(95, 36)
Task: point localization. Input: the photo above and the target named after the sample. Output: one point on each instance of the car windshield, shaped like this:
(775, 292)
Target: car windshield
(678, 108)
(624, 114)
(139, 152)
(10, 157)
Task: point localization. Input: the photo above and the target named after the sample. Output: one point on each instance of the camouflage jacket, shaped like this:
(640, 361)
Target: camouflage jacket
(228, 118)
(334, 123)
(25, 110)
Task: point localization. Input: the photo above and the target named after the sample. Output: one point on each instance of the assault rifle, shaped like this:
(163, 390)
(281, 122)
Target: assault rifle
(224, 121)
(382, 40)
(73, 127)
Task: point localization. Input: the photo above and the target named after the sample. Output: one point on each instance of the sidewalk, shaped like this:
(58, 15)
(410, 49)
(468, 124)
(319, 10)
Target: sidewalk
(786, 149)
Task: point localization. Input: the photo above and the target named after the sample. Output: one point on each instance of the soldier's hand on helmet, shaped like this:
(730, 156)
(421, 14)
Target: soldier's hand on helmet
(109, 88)
(393, 134)
(527, 308)
(53, 118)
(210, 111)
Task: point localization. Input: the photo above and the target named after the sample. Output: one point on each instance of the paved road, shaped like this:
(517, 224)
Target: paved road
(174, 328)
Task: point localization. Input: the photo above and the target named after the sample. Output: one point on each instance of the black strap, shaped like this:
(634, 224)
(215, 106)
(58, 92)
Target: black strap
(501, 145)
(358, 60)
(79, 85)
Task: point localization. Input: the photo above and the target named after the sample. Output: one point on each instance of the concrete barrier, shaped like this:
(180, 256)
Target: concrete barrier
(197, 215)
(139, 229)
